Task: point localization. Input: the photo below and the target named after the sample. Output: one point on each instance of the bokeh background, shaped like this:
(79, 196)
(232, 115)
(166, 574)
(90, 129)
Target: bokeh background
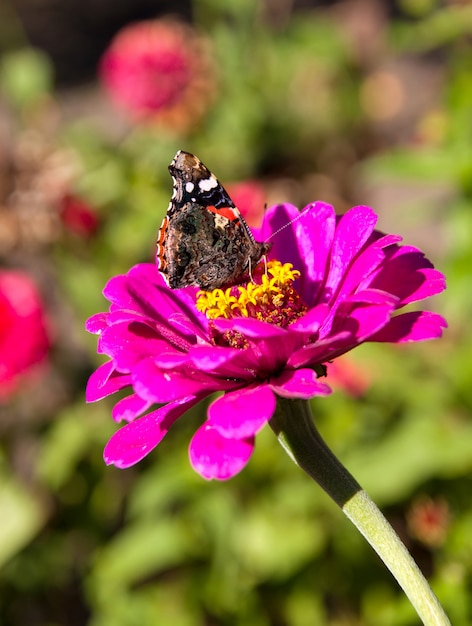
(350, 102)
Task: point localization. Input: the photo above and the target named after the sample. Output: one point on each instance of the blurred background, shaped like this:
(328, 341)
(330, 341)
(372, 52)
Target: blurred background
(350, 102)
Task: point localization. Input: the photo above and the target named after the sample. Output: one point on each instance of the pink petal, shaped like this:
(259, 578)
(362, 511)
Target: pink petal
(129, 408)
(134, 441)
(414, 326)
(161, 386)
(116, 292)
(434, 282)
(222, 362)
(372, 296)
(370, 259)
(214, 456)
(120, 316)
(359, 275)
(310, 323)
(105, 381)
(144, 292)
(171, 359)
(242, 413)
(355, 321)
(302, 383)
(128, 343)
(251, 327)
(314, 232)
(363, 314)
(409, 275)
(320, 351)
(353, 230)
(269, 346)
(186, 325)
(210, 358)
(97, 323)
(151, 294)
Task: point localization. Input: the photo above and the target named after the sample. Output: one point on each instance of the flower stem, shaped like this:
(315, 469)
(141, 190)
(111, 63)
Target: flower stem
(294, 427)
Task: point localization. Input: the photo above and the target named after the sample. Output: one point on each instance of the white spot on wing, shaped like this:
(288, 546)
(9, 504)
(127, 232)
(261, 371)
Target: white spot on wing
(189, 187)
(208, 183)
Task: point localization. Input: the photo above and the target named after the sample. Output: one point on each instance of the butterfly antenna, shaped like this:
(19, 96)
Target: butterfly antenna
(279, 230)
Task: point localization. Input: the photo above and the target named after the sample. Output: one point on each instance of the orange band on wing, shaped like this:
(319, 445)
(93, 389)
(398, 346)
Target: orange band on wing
(230, 213)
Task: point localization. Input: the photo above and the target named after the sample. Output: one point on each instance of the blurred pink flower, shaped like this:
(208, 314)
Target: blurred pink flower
(24, 340)
(268, 339)
(351, 377)
(159, 71)
(250, 198)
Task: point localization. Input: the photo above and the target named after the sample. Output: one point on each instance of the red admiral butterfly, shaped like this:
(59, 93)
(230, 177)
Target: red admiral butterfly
(203, 240)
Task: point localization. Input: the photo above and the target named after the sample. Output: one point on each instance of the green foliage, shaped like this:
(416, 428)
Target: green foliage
(25, 76)
(156, 544)
(23, 515)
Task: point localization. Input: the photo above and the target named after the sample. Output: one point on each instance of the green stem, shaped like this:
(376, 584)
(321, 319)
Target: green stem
(294, 427)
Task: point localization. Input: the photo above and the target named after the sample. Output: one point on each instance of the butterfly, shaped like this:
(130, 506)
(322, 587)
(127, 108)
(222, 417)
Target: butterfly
(203, 240)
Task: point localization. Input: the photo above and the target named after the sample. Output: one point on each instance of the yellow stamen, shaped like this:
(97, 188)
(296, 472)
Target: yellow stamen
(272, 298)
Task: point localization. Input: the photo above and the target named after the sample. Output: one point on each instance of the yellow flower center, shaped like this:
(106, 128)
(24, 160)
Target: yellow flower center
(270, 297)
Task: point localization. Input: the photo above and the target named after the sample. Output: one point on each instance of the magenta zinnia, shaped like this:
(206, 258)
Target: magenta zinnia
(331, 284)
(24, 337)
(160, 71)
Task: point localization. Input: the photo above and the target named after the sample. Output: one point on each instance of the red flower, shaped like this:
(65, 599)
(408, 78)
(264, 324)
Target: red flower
(159, 71)
(78, 216)
(24, 340)
(429, 520)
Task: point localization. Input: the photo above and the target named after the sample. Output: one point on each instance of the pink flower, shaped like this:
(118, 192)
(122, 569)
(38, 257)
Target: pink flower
(159, 71)
(349, 281)
(351, 377)
(24, 339)
(250, 198)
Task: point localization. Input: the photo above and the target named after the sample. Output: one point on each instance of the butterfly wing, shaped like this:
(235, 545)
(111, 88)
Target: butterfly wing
(203, 239)
(193, 182)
